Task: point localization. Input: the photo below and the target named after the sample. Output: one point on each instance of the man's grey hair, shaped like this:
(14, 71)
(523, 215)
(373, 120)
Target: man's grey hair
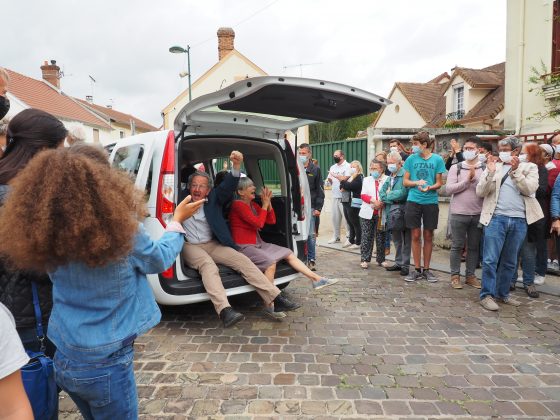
(396, 156)
(244, 182)
(4, 126)
(202, 174)
(379, 162)
(4, 74)
(511, 141)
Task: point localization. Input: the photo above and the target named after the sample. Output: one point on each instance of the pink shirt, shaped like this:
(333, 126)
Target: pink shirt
(464, 201)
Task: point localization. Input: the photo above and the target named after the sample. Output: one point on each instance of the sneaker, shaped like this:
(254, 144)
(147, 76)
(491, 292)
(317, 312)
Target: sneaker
(428, 275)
(354, 246)
(404, 271)
(275, 316)
(509, 301)
(473, 282)
(324, 282)
(456, 282)
(312, 266)
(539, 280)
(333, 240)
(282, 303)
(489, 304)
(413, 276)
(553, 267)
(346, 244)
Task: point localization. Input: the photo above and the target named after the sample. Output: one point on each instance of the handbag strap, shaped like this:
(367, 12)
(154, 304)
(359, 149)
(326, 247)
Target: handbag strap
(38, 316)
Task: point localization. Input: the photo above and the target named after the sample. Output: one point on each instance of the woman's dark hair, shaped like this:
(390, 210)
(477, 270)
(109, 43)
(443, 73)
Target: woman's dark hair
(29, 132)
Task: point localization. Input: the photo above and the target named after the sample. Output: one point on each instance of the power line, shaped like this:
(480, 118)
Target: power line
(241, 22)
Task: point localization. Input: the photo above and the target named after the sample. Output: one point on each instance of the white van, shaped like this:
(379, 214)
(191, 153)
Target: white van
(251, 116)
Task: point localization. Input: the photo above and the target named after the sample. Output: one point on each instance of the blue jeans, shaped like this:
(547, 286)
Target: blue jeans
(102, 390)
(311, 240)
(503, 238)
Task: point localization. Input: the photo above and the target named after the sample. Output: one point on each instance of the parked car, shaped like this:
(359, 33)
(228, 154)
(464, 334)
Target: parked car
(251, 116)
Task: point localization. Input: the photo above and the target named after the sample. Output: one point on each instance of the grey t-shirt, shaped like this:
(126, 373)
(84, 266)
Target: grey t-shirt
(12, 354)
(510, 201)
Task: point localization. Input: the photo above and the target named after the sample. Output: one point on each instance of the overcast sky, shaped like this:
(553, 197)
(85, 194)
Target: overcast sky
(124, 44)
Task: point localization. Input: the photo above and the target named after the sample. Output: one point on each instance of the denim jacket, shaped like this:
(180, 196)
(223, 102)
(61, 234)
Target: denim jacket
(97, 311)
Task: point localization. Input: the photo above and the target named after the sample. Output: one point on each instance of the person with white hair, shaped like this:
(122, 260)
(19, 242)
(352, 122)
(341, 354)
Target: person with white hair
(76, 134)
(508, 187)
(4, 101)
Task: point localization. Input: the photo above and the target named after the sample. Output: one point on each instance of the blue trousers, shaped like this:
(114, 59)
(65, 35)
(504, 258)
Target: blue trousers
(311, 240)
(102, 390)
(503, 238)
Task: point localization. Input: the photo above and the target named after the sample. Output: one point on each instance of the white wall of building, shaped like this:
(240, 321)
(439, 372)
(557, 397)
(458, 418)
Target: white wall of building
(528, 43)
(400, 114)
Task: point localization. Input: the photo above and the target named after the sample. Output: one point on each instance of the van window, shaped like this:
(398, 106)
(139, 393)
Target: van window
(269, 175)
(129, 158)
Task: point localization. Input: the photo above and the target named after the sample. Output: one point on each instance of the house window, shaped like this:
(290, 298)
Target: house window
(555, 67)
(121, 134)
(459, 101)
(95, 135)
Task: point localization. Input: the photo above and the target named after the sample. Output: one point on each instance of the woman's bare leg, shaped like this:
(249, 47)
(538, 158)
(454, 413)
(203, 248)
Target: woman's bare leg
(269, 273)
(299, 266)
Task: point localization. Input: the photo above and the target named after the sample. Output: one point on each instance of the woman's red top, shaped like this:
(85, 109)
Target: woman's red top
(244, 223)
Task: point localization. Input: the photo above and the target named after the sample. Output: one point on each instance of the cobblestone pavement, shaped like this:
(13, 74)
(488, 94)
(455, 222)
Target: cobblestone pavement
(370, 346)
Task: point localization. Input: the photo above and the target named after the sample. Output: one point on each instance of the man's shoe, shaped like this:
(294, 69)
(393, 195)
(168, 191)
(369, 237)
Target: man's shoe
(230, 317)
(456, 281)
(539, 280)
(532, 291)
(333, 240)
(354, 246)
(394, 267)
(282, 303)
(404, 271)
(324, 282)
(489, 304)
(473, 282)
(509, 301)
(428, 275)
(312, 266)
(346, 244)
(413, 276)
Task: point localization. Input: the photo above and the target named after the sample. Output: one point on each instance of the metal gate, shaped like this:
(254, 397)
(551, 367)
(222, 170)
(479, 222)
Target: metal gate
(355, 149)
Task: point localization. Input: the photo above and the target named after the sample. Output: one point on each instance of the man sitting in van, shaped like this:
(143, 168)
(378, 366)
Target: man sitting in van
(209, 242)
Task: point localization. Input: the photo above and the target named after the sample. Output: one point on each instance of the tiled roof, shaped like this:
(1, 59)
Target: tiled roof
(443, 76)
(489, 106)
(41, 95)
(117, 116)
(489, 77)
(423, 97)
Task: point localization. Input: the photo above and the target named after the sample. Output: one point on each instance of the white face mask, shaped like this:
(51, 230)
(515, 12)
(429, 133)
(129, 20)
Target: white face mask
(352, 171)
(469, 154)
(482, 158)
(394, 149)
(523, 157)
(505, 157)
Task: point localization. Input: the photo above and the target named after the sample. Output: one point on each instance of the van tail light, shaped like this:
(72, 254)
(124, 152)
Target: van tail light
(166, 186)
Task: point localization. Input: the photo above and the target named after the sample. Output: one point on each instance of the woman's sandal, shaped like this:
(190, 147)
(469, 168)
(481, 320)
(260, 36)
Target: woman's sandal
(364, 265)
(532, 291)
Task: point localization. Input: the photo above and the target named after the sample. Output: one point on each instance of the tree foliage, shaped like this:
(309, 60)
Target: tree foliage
(339, 130)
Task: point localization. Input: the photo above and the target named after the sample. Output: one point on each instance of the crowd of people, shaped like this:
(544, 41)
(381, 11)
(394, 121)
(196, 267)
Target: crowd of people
(504, 211)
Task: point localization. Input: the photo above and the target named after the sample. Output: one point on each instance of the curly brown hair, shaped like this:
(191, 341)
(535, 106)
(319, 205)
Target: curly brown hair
(80, 210)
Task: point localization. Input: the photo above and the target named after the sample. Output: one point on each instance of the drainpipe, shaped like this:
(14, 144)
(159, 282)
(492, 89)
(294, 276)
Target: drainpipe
(520, 61)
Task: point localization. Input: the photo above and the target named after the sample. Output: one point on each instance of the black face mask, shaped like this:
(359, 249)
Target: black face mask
(4, 106)
(336, 159)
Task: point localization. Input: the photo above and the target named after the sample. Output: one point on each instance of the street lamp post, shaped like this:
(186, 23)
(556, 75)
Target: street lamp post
(180, 50)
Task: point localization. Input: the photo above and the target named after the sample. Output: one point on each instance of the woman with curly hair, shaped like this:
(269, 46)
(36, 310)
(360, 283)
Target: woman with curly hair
(82, 225)
(28, 133)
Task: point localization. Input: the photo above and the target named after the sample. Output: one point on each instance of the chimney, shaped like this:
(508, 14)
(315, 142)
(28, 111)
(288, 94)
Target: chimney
(51, 73)
(225, 41)
(89, 99)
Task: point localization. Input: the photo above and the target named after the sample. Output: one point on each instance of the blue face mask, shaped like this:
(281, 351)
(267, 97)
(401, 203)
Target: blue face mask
(375, 174)
(303, 159)
(392, 167)
(416, 149)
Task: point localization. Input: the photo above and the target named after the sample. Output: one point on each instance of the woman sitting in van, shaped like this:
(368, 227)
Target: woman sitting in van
(246, 218)
(89, 238)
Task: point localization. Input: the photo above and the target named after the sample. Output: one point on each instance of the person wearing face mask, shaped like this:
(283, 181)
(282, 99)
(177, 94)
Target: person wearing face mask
(396, 146)
(484, 151)
(393, 194)
(4, 101)
(553, 167)
(340, 171)
(423, 176)
(534, 250)
(465, 211)
(354, 185)
(508, 187)
(455, 156)
(372, 215)
(317, 192)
